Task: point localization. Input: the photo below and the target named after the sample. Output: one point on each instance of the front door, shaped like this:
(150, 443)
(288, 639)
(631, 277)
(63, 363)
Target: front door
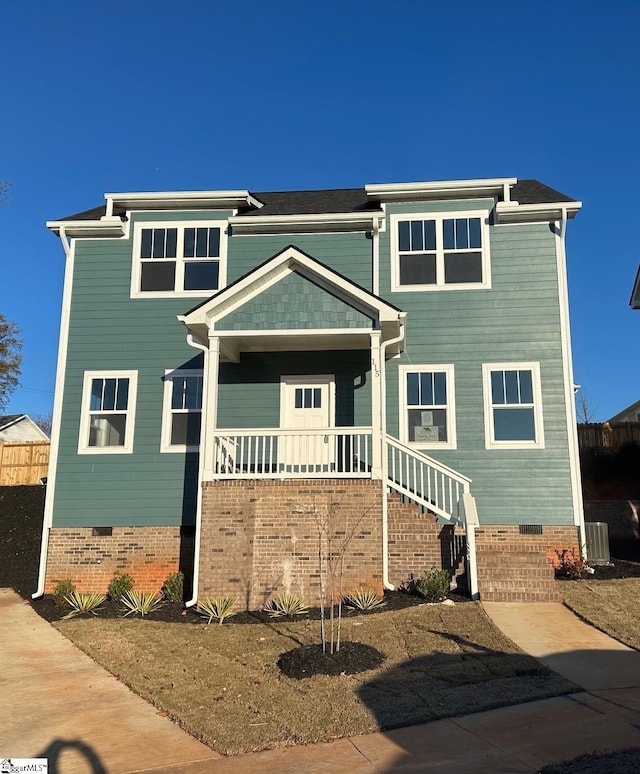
(306, 404)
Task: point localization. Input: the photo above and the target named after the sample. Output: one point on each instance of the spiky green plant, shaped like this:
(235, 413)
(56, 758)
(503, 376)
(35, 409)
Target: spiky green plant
(364, 599)
(83, 604)
(140, 602)
(286, 604)
(217, 609)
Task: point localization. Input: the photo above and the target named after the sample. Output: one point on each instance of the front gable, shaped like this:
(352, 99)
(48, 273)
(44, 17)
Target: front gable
(293, 302)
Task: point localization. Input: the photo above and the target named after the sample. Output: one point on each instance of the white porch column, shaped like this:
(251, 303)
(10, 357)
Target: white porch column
(210, 402)
(376, 408)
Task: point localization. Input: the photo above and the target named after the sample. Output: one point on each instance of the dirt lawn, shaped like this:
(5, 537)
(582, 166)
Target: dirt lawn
(223, 684)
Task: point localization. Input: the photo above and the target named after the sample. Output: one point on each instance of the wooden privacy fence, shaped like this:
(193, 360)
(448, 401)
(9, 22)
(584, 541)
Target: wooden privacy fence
(608, 437)
(23, 462)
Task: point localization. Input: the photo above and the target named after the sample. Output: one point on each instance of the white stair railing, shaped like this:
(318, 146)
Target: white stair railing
(425, 481)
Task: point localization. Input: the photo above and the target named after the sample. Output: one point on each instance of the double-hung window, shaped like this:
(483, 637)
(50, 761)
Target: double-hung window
(182, 410)
(108, 411)
(428, 406)
(513, 406)
(440, 252)
(186, 259)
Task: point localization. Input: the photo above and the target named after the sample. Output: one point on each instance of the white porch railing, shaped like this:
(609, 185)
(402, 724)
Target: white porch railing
(273, 453)
(426, 481)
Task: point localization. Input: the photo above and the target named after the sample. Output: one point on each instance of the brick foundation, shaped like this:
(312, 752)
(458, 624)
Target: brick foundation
(261, 537)
(148, 554)
(417, 543)
(514, 567)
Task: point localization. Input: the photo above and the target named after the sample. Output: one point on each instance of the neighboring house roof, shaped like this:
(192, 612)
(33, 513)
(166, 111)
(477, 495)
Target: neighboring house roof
(9, 419)
(340, 200)
(29, 429)
(634, 301)
(621, 416)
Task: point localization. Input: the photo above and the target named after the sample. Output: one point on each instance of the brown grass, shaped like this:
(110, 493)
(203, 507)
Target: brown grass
(222, 683)
(611, 605)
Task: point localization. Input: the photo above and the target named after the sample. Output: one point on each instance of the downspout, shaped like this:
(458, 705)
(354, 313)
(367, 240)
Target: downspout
(383, 444)
(572, 430)
(47, 520)
(196, 547)
(375, 257)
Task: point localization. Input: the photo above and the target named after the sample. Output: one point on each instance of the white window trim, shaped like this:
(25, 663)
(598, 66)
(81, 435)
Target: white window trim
(449, 371)
(490, 442)
(439, 217)
(167, 412)
(180, 225)
(83, 439)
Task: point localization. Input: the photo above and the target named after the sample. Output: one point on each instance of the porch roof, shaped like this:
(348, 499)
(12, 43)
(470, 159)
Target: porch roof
(293, 302)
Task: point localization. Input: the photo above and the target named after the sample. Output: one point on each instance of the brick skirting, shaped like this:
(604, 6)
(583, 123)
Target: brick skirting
(513, 567)
(261, 537)
(148, 554)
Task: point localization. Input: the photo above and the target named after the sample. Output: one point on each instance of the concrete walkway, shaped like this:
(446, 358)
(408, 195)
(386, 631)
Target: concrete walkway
(57, 703)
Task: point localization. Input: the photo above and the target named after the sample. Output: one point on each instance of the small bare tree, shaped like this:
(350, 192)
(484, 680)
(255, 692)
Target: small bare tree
(584, 410)
(44, 422)
(335, 535)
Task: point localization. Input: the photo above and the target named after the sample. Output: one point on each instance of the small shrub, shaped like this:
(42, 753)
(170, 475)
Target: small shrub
(364, 599)
(569, 564)
(65, 588)
(286, 604)
(119, 585)
(83, 604)
(173, 587)
(219, 608)
(433, 586)
(140, 602)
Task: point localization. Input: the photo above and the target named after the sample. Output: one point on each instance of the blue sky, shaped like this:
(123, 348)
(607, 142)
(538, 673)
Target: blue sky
(291, 95)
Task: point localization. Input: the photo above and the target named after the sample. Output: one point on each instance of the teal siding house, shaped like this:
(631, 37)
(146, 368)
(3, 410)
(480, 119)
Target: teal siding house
(239, 370)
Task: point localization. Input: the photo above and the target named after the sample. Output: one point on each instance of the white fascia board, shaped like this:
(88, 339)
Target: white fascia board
(360, 220)
(108, 227)
(512, 212)
(441, 189)
(234, 296)
(196, 200)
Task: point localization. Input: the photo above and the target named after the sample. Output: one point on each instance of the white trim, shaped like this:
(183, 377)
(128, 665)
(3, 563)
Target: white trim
(130, 412)
(449, 371)
(490, 442)
(167, 411)
(56, 420)
(288, 381)
(254, 332)
(567, 370)
(180, 260)
(343, 221)
(101, 229)
(439, 218)
(513, 212)
(290, 259)
(188, 200)
(470, 189)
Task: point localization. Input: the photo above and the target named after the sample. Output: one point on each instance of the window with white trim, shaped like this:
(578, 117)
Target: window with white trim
(108, 410)
(513, 405)
(440, 251)
(182, 410)
(186, 259)
(428, 406)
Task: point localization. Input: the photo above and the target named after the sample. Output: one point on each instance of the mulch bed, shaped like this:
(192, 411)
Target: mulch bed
(310, 660)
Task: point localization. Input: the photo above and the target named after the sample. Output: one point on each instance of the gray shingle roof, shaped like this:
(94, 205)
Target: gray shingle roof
(8, 419)
(336, 200)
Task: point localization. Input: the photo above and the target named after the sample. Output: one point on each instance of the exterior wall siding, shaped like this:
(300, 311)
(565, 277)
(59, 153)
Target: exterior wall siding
(517, 319)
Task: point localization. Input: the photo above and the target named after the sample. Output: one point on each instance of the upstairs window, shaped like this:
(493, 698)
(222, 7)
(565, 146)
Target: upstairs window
(108, 406)
(438, 252)
(513, 405)
(185, 259)
(427, 410)
(182, 413)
